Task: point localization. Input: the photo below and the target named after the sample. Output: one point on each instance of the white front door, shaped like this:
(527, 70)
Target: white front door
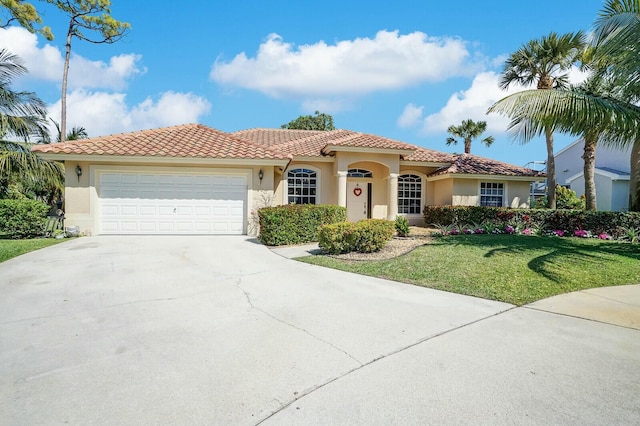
(357, 196)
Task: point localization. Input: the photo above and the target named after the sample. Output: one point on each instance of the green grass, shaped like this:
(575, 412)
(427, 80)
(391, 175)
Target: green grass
(13, 248)
(515, 269)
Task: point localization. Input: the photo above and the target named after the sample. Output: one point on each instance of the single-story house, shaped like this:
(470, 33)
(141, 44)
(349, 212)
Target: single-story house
(192, 179)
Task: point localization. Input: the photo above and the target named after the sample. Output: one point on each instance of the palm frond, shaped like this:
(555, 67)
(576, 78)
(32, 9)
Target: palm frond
(571, 111)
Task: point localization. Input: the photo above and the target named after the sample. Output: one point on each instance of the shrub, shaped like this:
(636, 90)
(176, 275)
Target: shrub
(402, 226)
(337, 238)
(365, 236)
(543, 220)
(373, 234)
(565, 199)
(296, 223)
(22, 218)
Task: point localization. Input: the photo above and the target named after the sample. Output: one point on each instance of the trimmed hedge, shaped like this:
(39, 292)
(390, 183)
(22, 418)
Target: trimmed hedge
(296, 223)
(567, 220)
(22, 218)
(365, 236)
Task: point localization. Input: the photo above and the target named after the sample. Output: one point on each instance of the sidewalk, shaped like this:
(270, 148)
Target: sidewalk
(612, 305)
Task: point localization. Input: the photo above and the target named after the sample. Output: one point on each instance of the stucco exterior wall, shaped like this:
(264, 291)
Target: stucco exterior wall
(77, 197)
(442, 191)
(519, 194)
(466, 192)
(620, 196)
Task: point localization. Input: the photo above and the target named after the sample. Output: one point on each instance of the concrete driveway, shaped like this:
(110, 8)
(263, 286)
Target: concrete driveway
(220, 330)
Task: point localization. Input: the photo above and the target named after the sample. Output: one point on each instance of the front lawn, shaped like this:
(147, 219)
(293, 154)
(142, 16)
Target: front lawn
(516, 269)
(13, 248)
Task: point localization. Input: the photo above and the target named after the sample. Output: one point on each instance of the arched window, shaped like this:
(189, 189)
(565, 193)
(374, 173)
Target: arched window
(302, 186)
(359, 173)
(409, 194)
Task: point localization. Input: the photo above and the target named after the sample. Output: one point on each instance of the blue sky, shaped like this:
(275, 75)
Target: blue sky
(405, 69)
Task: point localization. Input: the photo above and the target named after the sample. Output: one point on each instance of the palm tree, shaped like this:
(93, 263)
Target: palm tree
(544, 62)
(617, 31)
(22, 115)
(612, 113)
(468, 131)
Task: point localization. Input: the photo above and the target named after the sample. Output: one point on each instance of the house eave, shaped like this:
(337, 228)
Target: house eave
(485, 177)
(612, 176)
(163, 160)
(314, 159)
(423, 164)
(390, 151)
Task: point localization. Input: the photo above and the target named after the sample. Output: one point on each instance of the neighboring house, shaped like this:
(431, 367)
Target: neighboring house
(192, 179)
(612, 169)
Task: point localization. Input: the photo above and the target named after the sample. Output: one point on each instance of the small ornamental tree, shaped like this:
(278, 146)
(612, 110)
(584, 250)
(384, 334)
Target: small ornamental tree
(319, 121)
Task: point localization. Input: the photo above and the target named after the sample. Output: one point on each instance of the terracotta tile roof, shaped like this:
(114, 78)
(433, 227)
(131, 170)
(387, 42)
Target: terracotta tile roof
(307, 143)
(199, 141)
(472, 164)
(365, 140)
(430, 156)
(184, 141)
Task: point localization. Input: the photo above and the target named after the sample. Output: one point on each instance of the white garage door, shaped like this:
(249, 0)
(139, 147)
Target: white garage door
(169, 203)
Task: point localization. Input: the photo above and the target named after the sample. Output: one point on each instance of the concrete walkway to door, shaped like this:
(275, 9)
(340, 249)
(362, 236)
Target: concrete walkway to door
(220, 330)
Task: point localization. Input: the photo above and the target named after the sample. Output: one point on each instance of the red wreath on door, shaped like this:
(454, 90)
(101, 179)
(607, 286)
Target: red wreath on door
(357, 191)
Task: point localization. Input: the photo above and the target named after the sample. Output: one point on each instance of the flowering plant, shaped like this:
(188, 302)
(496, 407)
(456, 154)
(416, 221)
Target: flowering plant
(527, 231)
(604, 236)
(581, 233)
(558, 233)
(509, 229)
(479, 231)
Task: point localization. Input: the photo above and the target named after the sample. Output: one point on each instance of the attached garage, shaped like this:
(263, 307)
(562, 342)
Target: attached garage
(150, 202)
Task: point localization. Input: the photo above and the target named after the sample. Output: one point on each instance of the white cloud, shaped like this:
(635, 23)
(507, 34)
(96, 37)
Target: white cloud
(352, 67)
(46, 62)
(103, 113)
(472, 103)
(411, 116)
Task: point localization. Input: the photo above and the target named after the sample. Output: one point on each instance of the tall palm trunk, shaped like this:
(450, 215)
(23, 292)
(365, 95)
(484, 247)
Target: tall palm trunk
(634, 179)
(63, 96)
(551, 169)
(589, 157)
(467, 146)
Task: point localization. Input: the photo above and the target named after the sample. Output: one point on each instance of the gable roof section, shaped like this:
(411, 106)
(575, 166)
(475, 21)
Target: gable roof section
(184, 141)
(318, 143)
(468, 164)
(430, 156)
(305, 143)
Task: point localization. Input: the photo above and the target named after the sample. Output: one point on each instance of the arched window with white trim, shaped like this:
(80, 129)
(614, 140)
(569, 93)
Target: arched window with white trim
(409, 194)
(359, 173)
(302, 186)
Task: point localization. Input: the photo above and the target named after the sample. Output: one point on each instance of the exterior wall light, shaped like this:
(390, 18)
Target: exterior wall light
(78, 171)
(260, 175)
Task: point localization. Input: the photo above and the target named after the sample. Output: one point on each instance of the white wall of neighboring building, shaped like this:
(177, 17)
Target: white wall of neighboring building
(620, 196)
(569, 160)
(612, 189)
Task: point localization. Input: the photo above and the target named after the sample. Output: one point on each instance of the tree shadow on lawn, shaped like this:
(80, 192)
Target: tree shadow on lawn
(556, 251)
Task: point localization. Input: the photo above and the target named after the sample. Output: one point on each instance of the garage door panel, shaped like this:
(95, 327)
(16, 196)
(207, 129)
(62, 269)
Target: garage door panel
(165, 203)
(147, 226)
(129, 210)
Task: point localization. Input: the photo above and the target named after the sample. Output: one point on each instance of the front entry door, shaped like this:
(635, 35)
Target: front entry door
(357, 197)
